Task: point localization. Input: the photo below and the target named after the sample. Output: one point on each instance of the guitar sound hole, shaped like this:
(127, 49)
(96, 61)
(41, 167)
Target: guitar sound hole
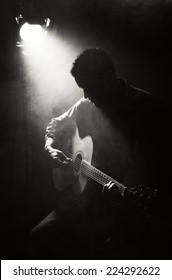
(77, 163)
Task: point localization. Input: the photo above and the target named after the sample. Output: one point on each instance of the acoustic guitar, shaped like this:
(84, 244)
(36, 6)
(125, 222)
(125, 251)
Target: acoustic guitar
(81, 151)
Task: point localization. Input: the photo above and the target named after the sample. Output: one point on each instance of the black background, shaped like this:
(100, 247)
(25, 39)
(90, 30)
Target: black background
(138, 36)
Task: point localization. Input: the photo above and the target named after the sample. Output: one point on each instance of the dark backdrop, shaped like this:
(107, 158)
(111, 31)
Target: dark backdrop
(137, 35)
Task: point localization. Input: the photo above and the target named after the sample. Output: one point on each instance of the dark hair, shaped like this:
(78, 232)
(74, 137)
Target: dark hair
(92, 63)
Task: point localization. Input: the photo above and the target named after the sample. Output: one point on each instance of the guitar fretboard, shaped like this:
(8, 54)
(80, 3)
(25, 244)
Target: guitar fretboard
(99, 176)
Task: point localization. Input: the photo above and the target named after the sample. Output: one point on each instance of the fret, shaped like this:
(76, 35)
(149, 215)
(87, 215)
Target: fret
(100, 177)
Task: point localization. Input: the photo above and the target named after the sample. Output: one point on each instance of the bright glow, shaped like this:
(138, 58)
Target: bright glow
(49, 82)
(30, 32)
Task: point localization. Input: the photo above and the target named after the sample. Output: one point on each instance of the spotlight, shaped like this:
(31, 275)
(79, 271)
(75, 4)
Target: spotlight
(30, 32)
(30, 29)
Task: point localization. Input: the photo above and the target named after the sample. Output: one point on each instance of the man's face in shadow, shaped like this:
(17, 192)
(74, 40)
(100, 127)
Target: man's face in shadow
(95, 89)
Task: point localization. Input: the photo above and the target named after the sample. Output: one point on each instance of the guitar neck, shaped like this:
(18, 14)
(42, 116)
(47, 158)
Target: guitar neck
(100, 177)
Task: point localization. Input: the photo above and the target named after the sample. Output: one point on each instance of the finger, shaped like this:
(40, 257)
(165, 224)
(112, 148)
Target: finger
(106, 187)
(108, 184)
(65, 159)
(111, 186)
(53, 153)
(68, 160)
(55, 157)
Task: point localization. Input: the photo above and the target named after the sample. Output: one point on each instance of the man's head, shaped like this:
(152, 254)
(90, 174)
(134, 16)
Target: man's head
(94, 71)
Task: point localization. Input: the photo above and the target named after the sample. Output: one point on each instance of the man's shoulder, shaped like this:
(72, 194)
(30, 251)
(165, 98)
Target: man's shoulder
(82, 104)
(143, 99)
(138, 93)
(149, 104)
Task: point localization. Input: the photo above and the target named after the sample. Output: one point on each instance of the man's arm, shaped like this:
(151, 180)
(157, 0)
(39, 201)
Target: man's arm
(58, 131)
(57, 156)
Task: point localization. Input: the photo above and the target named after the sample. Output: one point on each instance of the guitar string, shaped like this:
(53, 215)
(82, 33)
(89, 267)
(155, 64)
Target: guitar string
(104, 179)
(99, 176)
(94, 173)
(88, 172)
(88, 169)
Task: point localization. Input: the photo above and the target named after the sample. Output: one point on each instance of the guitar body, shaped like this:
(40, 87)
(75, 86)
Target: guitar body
(80, 149)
